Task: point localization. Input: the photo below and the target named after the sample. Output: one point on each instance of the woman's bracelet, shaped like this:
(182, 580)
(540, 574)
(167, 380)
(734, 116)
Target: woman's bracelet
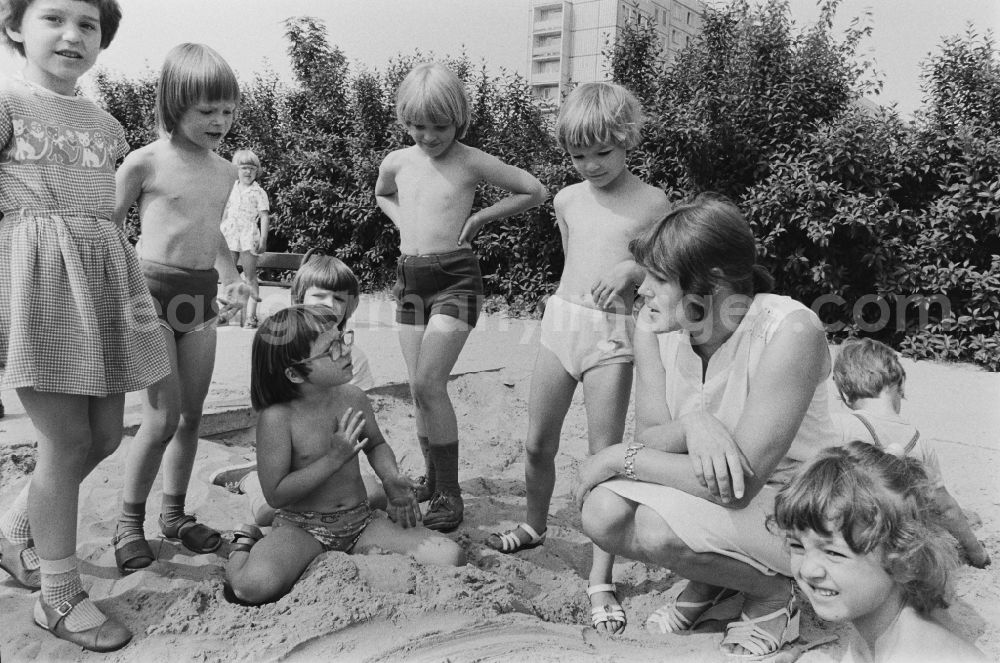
(630, 452)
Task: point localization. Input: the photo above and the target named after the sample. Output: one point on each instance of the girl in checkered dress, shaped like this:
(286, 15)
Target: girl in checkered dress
(78, 328)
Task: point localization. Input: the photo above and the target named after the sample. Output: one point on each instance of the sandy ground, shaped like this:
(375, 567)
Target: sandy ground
(530, 606)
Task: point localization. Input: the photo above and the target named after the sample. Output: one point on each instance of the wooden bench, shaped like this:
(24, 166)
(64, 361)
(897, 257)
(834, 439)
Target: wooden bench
(271, 261)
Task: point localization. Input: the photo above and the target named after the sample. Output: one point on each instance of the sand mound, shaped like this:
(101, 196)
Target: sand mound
(531, 606)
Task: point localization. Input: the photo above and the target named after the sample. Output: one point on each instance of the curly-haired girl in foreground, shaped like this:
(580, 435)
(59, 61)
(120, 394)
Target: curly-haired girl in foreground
(867, 547)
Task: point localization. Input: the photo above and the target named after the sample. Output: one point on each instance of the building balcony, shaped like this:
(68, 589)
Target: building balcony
(549, 26)
(547, 52)
(544, 78)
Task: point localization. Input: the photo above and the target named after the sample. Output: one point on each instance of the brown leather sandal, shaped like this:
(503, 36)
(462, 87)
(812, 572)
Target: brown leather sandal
(109, 636)
(12, 561)
(195, 536)
(244, 538)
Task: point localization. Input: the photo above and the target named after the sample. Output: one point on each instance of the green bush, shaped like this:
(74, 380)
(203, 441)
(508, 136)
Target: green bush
(887, 227)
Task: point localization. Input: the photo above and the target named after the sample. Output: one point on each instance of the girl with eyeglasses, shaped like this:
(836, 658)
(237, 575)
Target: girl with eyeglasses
(312, 423)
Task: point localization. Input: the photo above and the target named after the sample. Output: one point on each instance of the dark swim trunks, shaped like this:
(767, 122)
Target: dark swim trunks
(184, 298)
(438, 284)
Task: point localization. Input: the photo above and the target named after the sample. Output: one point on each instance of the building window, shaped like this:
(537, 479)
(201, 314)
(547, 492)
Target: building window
(551, 14)
(544, 41)
(547, 67)
(547, 92)
(689, 18)
(674, 38)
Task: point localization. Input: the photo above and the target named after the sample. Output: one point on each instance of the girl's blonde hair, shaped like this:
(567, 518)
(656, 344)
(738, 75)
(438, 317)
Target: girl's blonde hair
(246, 158)
(432, 92)
(192, 73)
(599, 113)
(876, 501)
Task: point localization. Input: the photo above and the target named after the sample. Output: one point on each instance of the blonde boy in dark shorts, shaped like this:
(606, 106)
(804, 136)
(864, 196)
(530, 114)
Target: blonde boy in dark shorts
(427, 190)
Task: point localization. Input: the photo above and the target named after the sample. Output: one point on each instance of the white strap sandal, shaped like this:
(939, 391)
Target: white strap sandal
(669, 618)
(602, 614)
(508, 542)
(758, 643)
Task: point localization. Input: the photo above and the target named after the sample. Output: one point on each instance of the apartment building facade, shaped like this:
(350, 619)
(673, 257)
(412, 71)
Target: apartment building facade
(567, 37)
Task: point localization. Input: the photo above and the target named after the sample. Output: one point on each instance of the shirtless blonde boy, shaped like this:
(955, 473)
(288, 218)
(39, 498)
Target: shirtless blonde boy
(181, 186)
(427, 190)
(587, 326)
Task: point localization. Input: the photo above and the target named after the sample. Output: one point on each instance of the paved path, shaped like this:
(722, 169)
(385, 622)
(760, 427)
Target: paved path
(956, 403)
(497, 344)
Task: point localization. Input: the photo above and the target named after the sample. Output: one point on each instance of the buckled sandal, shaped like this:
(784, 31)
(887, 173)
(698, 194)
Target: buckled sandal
(669, 618)
(508, 542)
(108, 636)
(195, 536)
(132, 551)
(12, 561)
(601, 614)
(244, 538)
(761, 644)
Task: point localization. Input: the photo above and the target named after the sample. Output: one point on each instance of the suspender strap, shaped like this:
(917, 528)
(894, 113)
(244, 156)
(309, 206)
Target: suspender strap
(878, 443)
(871, 429)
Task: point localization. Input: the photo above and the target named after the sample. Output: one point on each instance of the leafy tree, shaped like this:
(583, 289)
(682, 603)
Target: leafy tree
(893, 225)
(887, 227)
(952, 246)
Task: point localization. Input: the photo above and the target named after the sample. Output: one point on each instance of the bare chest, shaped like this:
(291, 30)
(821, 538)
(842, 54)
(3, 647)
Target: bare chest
(197, 197)
(427, 181)
(312, 438)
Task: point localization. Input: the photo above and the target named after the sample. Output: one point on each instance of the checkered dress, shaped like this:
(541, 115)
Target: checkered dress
(75, 314)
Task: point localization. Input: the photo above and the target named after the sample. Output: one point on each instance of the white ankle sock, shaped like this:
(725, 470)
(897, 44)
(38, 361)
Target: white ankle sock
(14, 526)
(61, 582)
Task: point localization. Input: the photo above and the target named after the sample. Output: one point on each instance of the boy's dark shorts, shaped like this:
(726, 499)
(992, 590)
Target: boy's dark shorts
(184, 298)
(439, 284)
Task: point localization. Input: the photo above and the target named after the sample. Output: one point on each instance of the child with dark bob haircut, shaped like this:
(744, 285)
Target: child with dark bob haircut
(326, 281)
(312, 423)
(867, 546)
(12, 14)
(77, 322)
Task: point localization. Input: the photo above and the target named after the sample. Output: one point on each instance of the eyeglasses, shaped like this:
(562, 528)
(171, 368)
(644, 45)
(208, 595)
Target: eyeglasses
(336, 349)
